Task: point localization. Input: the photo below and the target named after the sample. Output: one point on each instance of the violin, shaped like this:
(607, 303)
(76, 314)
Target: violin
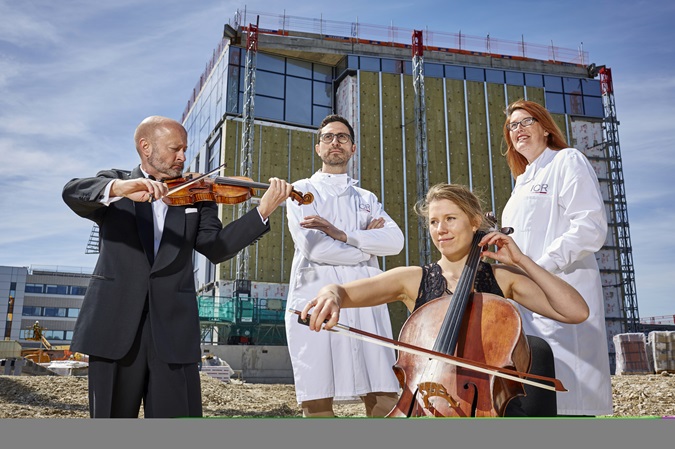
(195, 187)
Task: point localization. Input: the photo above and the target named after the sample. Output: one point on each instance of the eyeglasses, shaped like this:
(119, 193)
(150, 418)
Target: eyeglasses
(341, 137)
(527, 121)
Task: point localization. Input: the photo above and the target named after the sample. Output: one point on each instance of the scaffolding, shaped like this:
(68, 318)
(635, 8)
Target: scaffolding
(618, 205)
(247, 134)
(94, 243)
(421, 140)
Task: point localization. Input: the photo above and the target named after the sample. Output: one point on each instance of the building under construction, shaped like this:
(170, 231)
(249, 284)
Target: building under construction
(427, 107)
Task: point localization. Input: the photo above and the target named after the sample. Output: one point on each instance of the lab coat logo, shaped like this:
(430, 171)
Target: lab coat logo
(365, 207)
(539, 188)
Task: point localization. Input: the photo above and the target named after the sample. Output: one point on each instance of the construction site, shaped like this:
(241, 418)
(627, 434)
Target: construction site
(426, 106)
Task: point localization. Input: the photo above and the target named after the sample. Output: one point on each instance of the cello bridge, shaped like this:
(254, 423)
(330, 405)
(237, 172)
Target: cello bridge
(432, 389)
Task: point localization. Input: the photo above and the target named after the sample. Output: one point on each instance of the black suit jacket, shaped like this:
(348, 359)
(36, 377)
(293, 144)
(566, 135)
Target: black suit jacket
(124, 275)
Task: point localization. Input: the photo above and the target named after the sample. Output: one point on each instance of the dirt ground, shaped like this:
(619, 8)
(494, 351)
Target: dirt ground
(66, 397)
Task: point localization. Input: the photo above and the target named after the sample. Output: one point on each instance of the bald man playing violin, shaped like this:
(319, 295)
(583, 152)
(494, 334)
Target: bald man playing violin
(139, 321)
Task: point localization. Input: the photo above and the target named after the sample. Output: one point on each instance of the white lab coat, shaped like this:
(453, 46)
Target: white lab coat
(559, 220)
(327, 364)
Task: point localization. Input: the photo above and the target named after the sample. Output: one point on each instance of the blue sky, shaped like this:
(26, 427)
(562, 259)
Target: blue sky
(76, 78)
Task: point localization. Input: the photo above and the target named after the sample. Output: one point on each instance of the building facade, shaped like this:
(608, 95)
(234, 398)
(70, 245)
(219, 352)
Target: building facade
(51, 296)
(284, 76)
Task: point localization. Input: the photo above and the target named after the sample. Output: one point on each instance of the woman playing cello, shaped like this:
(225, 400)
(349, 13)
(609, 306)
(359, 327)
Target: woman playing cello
(454, 215)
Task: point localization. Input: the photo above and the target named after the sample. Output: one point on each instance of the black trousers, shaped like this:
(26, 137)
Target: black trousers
(537, 402)
(118, 387)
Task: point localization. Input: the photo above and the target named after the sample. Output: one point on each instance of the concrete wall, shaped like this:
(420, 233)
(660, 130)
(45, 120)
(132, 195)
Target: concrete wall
(258, 364)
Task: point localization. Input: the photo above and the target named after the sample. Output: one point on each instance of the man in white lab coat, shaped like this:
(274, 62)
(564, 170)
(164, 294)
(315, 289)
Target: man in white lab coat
(337, 239)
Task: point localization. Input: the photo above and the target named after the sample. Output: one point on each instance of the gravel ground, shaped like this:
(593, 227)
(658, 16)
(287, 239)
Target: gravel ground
(66, 397)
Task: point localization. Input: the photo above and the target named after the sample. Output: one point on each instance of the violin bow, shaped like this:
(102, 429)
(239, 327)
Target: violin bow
(445, 358)
(192, 181)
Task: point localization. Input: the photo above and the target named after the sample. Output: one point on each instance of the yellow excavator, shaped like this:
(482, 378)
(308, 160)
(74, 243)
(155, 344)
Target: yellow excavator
(46, 352)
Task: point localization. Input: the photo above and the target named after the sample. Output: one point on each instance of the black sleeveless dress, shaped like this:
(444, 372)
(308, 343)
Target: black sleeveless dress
(537, 402)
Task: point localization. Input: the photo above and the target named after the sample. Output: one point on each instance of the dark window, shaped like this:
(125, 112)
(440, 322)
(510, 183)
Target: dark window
(322, 93)
(433, 70)
(553, 83)
(78, 290)
(494, 76)
(555, 103)
(533, 80)
(57, 289)
(454, 72)
(407, 67)
(323, 72)
(270, 84)
(54, 311)
(31, 311)
(319, 113)
(590, 87)
(298, 100)
(299, 68)
(392, 66)
(369, 64)
(572, 85)
(574, 104)
(473, 74)
(270, 108)
(515, 78)
(235, 56)
(34, 288)
(593, 106)
(352, 62)
(269, 62)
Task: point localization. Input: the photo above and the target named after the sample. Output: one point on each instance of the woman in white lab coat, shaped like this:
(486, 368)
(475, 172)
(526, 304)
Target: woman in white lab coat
(557, 211)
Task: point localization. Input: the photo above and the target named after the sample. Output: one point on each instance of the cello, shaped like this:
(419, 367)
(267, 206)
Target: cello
(478, 327)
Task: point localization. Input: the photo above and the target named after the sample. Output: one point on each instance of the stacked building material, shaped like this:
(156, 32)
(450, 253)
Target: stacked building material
(661, 349)
(631, 354)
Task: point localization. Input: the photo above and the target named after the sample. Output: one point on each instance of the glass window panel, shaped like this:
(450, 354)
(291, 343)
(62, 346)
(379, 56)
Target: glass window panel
(302, 69)
(407, 67)
(433, 70)
(574, 104)
(590, 87)
(78, 290)
(34, 288)
(57, 289)
(323, 72)
(369, 64)
(593, 106)
(269, 108)
(553, 83)
(473, 74)
(533, 80)
(352, 62)
(515, 78)
(494, 76)
(269, 62)
(31, 311)
(235, 55)
(392, 66)
(323, 93)
(555, 103)
(269, 84)
(73, 313)
(454, 72)
(298, 100)
(69, 335)
(572, 85)
(54, 311)
(319, 113)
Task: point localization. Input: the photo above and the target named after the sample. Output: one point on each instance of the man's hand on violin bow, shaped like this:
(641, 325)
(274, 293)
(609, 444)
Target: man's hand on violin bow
(138, 189)
(275, 195)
